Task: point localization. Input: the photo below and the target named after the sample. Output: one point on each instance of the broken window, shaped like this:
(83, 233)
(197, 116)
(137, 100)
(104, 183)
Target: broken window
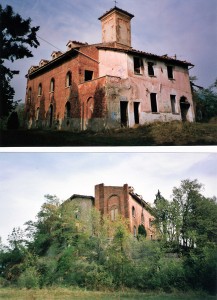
(170, 72)
(52, 85)
(136, 112)
(138, 65)
(39, 89)
(153, 97)
(150, 68)
(173, 103)
(68, 79)
(88, 75)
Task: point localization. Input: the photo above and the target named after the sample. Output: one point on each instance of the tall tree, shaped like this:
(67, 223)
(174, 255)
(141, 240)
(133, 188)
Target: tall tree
(206, 101)
(16, 36)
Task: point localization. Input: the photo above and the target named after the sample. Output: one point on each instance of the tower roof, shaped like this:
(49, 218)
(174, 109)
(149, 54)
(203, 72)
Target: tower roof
(118, 10)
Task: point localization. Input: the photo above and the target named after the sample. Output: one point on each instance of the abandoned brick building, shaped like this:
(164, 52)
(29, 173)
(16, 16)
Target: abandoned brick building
(107, 85)
(117, 200)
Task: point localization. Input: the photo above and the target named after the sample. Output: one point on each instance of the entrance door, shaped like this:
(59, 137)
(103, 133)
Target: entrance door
(124, 113)
(184, 107)
(136, 112)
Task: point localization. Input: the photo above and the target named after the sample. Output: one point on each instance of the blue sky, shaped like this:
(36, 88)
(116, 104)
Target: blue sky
(186, 28)
(25, 177)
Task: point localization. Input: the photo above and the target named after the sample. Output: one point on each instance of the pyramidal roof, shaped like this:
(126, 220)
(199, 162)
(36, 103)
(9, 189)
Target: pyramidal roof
(118, 10)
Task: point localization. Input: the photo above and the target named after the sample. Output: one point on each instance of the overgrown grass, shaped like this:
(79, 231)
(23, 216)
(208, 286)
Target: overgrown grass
(70, 293)
(157, 134)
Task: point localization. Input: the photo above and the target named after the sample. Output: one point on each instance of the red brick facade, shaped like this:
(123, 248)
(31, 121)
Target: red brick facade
(114, 200)
(107, 85)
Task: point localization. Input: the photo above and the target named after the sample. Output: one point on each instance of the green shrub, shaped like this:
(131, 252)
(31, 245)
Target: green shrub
(29, 279)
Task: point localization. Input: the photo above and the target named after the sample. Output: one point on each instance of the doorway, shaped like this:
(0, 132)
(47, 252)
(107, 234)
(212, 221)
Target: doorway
(184, 107)
(124, 113)
(136, 112)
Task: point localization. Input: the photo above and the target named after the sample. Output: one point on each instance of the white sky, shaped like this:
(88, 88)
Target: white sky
(25, 177)
(186, 28)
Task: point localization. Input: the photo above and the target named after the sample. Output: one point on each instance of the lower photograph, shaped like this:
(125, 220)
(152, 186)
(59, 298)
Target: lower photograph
(108, 225)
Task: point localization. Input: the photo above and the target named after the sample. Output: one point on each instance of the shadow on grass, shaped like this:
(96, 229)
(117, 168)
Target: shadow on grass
(157, 134)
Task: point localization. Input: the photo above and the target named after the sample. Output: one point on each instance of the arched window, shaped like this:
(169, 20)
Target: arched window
(68, 79)
(133, 212)
(67, 110)
(39, 89)
(52, 85)
(29, 96)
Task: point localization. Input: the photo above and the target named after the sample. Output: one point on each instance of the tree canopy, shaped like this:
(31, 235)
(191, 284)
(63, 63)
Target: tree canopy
(206, 101)
(16, 36)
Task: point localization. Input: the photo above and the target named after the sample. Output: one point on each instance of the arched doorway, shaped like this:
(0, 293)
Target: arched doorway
(184, 107)
(51, 115)
(67, 110)
(89, 111)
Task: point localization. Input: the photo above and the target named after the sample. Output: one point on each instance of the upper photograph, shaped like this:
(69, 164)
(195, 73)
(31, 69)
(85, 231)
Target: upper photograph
(79, 74)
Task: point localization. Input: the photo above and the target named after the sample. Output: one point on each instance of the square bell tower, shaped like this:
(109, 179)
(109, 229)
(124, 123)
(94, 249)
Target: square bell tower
(116, 27)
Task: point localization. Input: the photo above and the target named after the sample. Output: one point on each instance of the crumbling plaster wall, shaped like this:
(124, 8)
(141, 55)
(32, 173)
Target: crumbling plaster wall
(133, 87)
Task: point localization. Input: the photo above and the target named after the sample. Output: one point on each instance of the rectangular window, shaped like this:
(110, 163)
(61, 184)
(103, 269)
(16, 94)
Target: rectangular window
(150, 68)
(170, 72)
(173, 103)
(88, 75)
(138, 65)
(153, 97)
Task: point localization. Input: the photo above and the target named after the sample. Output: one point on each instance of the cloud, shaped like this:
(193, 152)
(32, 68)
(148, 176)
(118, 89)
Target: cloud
(184, 28)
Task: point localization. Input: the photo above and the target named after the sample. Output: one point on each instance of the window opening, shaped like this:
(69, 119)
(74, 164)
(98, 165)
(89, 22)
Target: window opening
(124, 113)
(173, 103)
(39, 89)
(153, 97)
(138, 65)
(133, 212)
(150, 223)
(114, 213)
(30, 95)
(170, 72)
(68, 79)
(136, 112)
(150, 68)
(88, 75)
(52, 85)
